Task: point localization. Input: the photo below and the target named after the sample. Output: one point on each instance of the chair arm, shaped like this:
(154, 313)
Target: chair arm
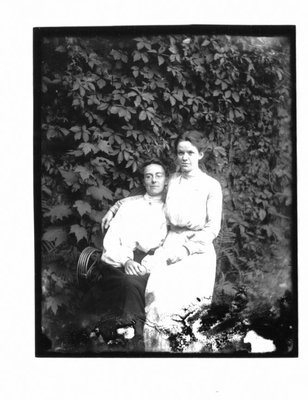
(86, 262)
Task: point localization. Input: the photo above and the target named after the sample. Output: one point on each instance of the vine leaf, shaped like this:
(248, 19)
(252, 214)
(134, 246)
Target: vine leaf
(84, 172)
(228, 94)
(142, 115)
(79, 231)
(53, 303)
(59, 212)
(262, 214)
(69, 177)
(55, 234)
(97, 216)
(82, 207)
(100, 192)
(235, 97)
(87, 148)
(104, 146)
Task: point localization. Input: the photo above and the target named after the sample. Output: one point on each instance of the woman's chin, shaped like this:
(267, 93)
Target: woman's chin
(186, 169)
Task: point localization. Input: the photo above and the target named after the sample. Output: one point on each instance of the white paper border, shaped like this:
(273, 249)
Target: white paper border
(24, 376)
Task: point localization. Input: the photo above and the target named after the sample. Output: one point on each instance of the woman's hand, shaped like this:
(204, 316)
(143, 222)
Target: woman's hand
(106, 220)
(134, 268)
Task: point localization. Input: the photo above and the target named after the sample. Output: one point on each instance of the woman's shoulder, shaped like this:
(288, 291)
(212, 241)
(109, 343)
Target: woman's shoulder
(210, 180)
(130, 202)
(203, 176)
(174, 177)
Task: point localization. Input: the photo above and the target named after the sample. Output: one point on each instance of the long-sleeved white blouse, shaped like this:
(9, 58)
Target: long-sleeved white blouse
(140, 223)
(194, 207)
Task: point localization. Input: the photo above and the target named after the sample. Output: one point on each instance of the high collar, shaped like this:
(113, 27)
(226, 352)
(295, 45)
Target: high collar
(194, 174)
(153, 199)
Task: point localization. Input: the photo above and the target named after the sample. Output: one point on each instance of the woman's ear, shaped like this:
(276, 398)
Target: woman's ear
(201, 155)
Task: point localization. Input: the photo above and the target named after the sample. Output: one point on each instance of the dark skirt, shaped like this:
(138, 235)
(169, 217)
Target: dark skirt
(116, 300)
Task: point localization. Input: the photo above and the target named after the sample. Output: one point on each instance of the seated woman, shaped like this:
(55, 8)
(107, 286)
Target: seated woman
(138, 229)
(187, 260)
(183, 270)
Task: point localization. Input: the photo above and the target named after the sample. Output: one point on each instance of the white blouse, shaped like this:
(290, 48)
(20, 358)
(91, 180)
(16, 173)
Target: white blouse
(140, 223)
(194, 207)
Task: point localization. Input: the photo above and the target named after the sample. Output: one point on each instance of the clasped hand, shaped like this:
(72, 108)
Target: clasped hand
(134, 268)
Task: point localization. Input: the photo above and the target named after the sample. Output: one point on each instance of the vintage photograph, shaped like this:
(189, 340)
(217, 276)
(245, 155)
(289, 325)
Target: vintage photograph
(165, 191)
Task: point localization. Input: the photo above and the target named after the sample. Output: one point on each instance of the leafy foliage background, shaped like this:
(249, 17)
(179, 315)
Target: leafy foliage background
(108, 102)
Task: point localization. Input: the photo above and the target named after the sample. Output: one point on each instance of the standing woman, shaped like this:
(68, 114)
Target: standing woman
(184, 268)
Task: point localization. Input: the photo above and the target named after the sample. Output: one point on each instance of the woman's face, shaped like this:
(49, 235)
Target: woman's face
(188, 156)
(154, 179)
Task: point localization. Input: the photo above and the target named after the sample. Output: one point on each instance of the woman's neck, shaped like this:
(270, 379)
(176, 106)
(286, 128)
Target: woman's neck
(157, 198)
(191, 174)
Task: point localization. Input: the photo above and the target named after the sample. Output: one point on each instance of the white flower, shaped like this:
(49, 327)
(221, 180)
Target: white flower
(258, 343)
(127, 332)
(236, 337)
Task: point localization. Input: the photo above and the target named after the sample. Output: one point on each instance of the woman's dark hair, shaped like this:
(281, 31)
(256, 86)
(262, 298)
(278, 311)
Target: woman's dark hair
(153, 161)
(141, 189)
(196, 138)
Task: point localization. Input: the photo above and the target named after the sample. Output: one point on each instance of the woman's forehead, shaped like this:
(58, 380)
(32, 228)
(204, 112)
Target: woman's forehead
(153, 169)
(186, 146)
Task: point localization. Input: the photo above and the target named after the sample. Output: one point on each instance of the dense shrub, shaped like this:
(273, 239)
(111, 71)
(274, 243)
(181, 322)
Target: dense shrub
(109, 102)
